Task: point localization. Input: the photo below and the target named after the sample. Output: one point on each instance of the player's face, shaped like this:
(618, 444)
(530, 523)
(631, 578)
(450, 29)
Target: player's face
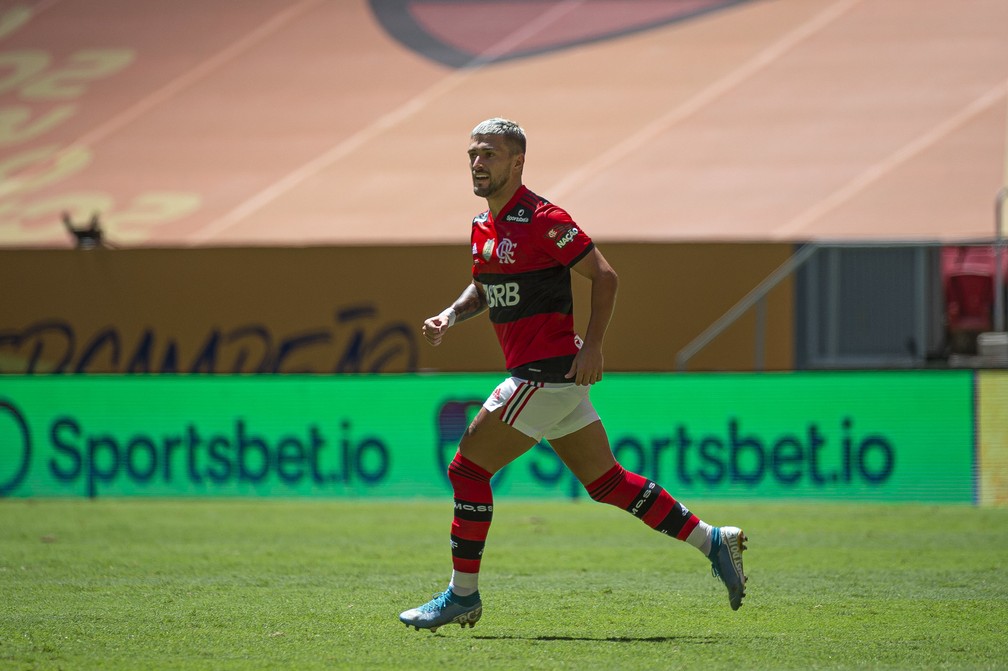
(492, 164)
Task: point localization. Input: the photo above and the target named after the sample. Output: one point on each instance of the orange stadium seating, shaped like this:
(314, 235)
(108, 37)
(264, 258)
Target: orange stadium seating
(189, 123)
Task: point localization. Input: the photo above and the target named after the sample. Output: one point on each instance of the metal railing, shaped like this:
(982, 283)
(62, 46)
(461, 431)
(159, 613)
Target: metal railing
(999, 291)
(757, 297)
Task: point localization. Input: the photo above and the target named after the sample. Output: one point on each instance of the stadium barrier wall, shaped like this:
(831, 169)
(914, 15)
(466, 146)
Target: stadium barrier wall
(353, 309)
(842, 436)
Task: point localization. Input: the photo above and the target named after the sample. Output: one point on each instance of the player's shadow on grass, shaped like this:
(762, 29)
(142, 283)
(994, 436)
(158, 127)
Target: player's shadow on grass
(700, 640)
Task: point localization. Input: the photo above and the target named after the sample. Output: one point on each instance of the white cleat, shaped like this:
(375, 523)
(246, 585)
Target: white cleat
(726, 562)
(444, 608)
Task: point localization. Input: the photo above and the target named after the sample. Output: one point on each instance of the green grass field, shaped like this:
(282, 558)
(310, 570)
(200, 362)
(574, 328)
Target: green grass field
(266, 584)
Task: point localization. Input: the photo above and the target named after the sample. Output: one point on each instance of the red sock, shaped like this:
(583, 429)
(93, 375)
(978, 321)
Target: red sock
(643, 499)
(473, 513)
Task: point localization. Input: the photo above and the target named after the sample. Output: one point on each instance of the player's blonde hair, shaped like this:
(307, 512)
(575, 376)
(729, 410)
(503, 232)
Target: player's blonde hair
(513, 134)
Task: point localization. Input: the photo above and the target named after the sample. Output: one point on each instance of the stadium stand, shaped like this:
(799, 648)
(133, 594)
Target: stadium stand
(260, 123)
(673, 132)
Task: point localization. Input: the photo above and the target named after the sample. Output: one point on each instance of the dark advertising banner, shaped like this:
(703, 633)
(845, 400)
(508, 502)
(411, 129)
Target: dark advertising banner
(890, 436)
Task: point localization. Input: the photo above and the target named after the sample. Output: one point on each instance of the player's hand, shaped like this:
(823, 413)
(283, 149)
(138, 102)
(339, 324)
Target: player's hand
(587, 366)
(435, 327)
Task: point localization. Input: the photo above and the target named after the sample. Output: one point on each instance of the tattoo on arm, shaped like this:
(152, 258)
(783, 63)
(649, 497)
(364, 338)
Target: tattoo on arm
(471, 303)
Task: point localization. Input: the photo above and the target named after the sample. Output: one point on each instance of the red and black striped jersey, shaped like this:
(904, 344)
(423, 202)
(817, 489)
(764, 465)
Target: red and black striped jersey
(523, 259)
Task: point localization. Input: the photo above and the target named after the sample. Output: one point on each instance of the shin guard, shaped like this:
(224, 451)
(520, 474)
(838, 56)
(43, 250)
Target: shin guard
(473, 513)
(645, 500)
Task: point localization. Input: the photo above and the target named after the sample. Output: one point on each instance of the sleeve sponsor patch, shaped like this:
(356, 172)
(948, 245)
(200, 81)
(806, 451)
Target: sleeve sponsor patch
(562, 234)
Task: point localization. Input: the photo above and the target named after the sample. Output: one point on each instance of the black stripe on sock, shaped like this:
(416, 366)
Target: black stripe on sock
(472, 511)
(467, 472)
(606, 488)
(674, 521)
(645, 499)
(466, 549)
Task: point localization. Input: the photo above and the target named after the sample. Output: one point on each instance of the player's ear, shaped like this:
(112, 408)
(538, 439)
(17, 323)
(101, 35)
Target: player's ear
(519, 162)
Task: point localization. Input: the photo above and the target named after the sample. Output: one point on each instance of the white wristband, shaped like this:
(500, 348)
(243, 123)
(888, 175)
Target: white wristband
(449, 314)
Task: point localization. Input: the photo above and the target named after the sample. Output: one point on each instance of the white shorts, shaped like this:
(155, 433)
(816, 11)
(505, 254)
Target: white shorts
(542, 409)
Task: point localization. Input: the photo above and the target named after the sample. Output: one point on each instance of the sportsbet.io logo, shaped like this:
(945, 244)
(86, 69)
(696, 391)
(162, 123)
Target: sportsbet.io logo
(15, 447)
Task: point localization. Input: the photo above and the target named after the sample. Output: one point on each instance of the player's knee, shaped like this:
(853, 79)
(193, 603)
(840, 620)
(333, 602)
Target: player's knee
(461, 469)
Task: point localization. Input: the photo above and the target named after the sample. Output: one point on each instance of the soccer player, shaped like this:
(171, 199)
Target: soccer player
(523, 251)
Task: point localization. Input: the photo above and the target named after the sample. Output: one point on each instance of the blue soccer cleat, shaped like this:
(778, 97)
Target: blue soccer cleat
(727, 545)
(444, 608)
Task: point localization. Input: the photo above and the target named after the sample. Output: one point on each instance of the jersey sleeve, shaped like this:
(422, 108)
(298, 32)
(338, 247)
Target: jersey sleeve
(562, 238)
(478, 240)
(472, 239)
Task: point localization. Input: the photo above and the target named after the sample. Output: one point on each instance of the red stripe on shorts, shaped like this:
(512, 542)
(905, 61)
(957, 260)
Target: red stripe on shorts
(518, 401)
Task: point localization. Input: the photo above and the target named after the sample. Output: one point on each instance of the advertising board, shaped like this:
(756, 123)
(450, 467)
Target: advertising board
(888, 436)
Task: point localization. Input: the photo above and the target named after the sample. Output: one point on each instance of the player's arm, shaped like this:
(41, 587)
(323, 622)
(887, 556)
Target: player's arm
(588, 364)
(470, 303)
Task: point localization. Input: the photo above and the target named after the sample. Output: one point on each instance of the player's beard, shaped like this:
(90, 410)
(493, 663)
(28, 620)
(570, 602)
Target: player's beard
(491, 187)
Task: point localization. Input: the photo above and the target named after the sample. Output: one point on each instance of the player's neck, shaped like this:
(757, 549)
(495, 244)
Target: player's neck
(499, 200)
